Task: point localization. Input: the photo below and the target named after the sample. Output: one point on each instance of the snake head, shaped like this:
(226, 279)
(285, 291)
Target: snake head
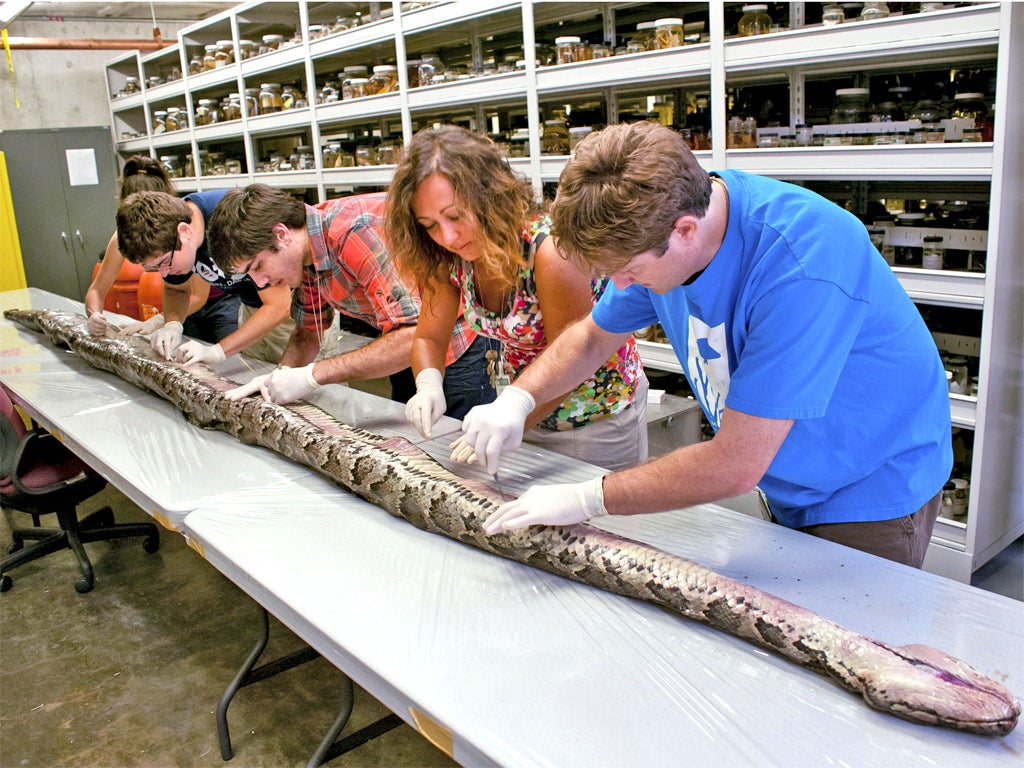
(925, 685)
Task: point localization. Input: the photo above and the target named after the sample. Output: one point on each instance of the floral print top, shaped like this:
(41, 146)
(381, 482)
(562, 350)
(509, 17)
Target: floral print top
(522, 337)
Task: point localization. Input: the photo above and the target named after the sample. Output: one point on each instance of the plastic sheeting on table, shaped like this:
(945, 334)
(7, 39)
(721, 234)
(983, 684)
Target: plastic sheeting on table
(528, 669)
(137, 441)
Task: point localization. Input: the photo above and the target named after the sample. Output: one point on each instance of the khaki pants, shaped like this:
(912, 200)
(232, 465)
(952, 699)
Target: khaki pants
(270, 347)
(903, 539)
(615, 443)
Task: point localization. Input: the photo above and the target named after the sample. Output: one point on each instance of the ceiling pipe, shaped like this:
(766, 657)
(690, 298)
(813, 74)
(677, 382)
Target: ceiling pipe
(86, 44)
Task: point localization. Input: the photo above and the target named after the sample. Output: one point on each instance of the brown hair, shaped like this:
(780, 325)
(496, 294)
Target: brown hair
(242, 223)
(147, 224)
(499, 199)
(142, 173)
(622, 192)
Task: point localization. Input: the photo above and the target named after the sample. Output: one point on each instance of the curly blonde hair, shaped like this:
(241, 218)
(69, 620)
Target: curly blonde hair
(500, 200)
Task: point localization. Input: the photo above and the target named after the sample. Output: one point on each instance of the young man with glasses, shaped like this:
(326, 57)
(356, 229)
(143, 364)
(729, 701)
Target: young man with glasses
(167, 234)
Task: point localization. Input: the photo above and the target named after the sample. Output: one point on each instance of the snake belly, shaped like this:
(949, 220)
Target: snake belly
(914, 682)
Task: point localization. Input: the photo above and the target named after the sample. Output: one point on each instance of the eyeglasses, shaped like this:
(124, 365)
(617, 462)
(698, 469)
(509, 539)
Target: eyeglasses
(163, 263)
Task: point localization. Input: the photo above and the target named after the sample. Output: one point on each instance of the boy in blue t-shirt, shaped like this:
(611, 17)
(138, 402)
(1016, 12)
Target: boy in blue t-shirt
(811, 363)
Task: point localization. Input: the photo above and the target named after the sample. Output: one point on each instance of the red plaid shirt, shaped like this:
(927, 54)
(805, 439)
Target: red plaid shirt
(353, 273)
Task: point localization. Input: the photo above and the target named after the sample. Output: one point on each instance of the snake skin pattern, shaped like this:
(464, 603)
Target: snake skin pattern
(914, 682)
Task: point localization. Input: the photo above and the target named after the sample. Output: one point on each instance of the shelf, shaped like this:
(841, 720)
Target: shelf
(910, 162)
(958, 289)
(478, 90)
(908, 39)
(633, 70)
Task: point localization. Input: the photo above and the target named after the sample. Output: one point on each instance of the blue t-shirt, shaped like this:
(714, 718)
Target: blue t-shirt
(799, 317)
(242, 286)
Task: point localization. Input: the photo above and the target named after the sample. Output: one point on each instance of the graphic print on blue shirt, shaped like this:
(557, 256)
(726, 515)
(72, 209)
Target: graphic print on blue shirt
(707, 367)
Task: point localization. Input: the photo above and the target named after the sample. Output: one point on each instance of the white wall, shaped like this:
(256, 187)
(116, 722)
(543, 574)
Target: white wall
(61, 88)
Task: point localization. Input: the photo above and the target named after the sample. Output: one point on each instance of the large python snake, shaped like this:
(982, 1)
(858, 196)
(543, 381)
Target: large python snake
(914, 682)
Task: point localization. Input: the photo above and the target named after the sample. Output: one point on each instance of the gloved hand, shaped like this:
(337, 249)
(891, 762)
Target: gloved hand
(166, 340)
(97, 323)
(155, 323)
(251, 388)
(428, 404)
(565, 504)
(196, 352)
(490, 429)
(285, 385)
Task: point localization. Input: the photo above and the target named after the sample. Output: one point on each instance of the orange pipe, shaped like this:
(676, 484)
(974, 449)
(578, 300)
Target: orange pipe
(68, 44)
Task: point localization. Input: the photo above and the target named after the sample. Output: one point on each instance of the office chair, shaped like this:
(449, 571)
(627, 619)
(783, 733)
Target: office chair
(39, 476)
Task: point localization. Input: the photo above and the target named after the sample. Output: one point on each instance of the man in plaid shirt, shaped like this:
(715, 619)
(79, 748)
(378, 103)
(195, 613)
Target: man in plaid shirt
(334, 258)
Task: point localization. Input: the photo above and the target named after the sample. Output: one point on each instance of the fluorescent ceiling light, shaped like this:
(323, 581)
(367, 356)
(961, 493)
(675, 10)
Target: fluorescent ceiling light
(12, 9)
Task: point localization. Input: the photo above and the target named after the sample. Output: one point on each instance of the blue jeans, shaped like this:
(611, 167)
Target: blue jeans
(466, 381)
(214, 320)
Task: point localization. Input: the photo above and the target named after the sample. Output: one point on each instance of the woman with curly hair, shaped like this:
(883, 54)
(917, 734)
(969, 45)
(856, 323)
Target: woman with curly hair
(467, 230)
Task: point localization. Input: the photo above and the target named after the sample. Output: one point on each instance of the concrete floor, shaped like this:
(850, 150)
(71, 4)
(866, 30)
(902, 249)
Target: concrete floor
(130, 674)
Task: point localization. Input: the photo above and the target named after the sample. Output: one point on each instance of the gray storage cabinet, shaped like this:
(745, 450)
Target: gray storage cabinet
(64, 186)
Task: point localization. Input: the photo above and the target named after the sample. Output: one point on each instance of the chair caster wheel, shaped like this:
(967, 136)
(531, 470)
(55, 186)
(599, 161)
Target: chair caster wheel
(151, 544)
(83, 585)
(6, 583)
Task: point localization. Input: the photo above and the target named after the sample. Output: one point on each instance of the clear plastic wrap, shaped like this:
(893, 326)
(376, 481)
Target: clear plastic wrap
(516, 666)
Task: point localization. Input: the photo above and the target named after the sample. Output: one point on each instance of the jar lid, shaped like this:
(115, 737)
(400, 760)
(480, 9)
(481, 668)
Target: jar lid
(360, 80)
(852, 91)
(224, 42)
(385, 68)
(968, 97)
(755, 7)
(210, 48)
(668, 22)
(268, 38)
(554, 122)
(910, 216)
(569, 39)
(207, 101)
(160, 112)
(581, 129)
(246, 42)
(270, 85)
(644, 25)
(355, 68)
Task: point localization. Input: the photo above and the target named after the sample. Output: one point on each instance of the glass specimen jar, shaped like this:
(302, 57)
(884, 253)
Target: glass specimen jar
(932, 252)
(755, 20)
(852, 105)
(832, 15)
(270, 98)
(568, 49)
(668, 33)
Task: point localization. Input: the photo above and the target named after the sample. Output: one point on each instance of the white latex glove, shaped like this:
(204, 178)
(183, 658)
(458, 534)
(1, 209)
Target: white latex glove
(285, 385)
(196, 352)
(155, 323)
(97, 323)
(428, 404)
(490, 429)
(166, 340)
(566, 504)
(251, 388)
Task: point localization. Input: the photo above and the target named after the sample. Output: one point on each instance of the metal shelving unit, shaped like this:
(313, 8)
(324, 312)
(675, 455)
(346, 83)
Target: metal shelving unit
(955, 37)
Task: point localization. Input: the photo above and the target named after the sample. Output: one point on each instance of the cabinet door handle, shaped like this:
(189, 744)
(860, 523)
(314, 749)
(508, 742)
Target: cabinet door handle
(81, 240)
(67, 245)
